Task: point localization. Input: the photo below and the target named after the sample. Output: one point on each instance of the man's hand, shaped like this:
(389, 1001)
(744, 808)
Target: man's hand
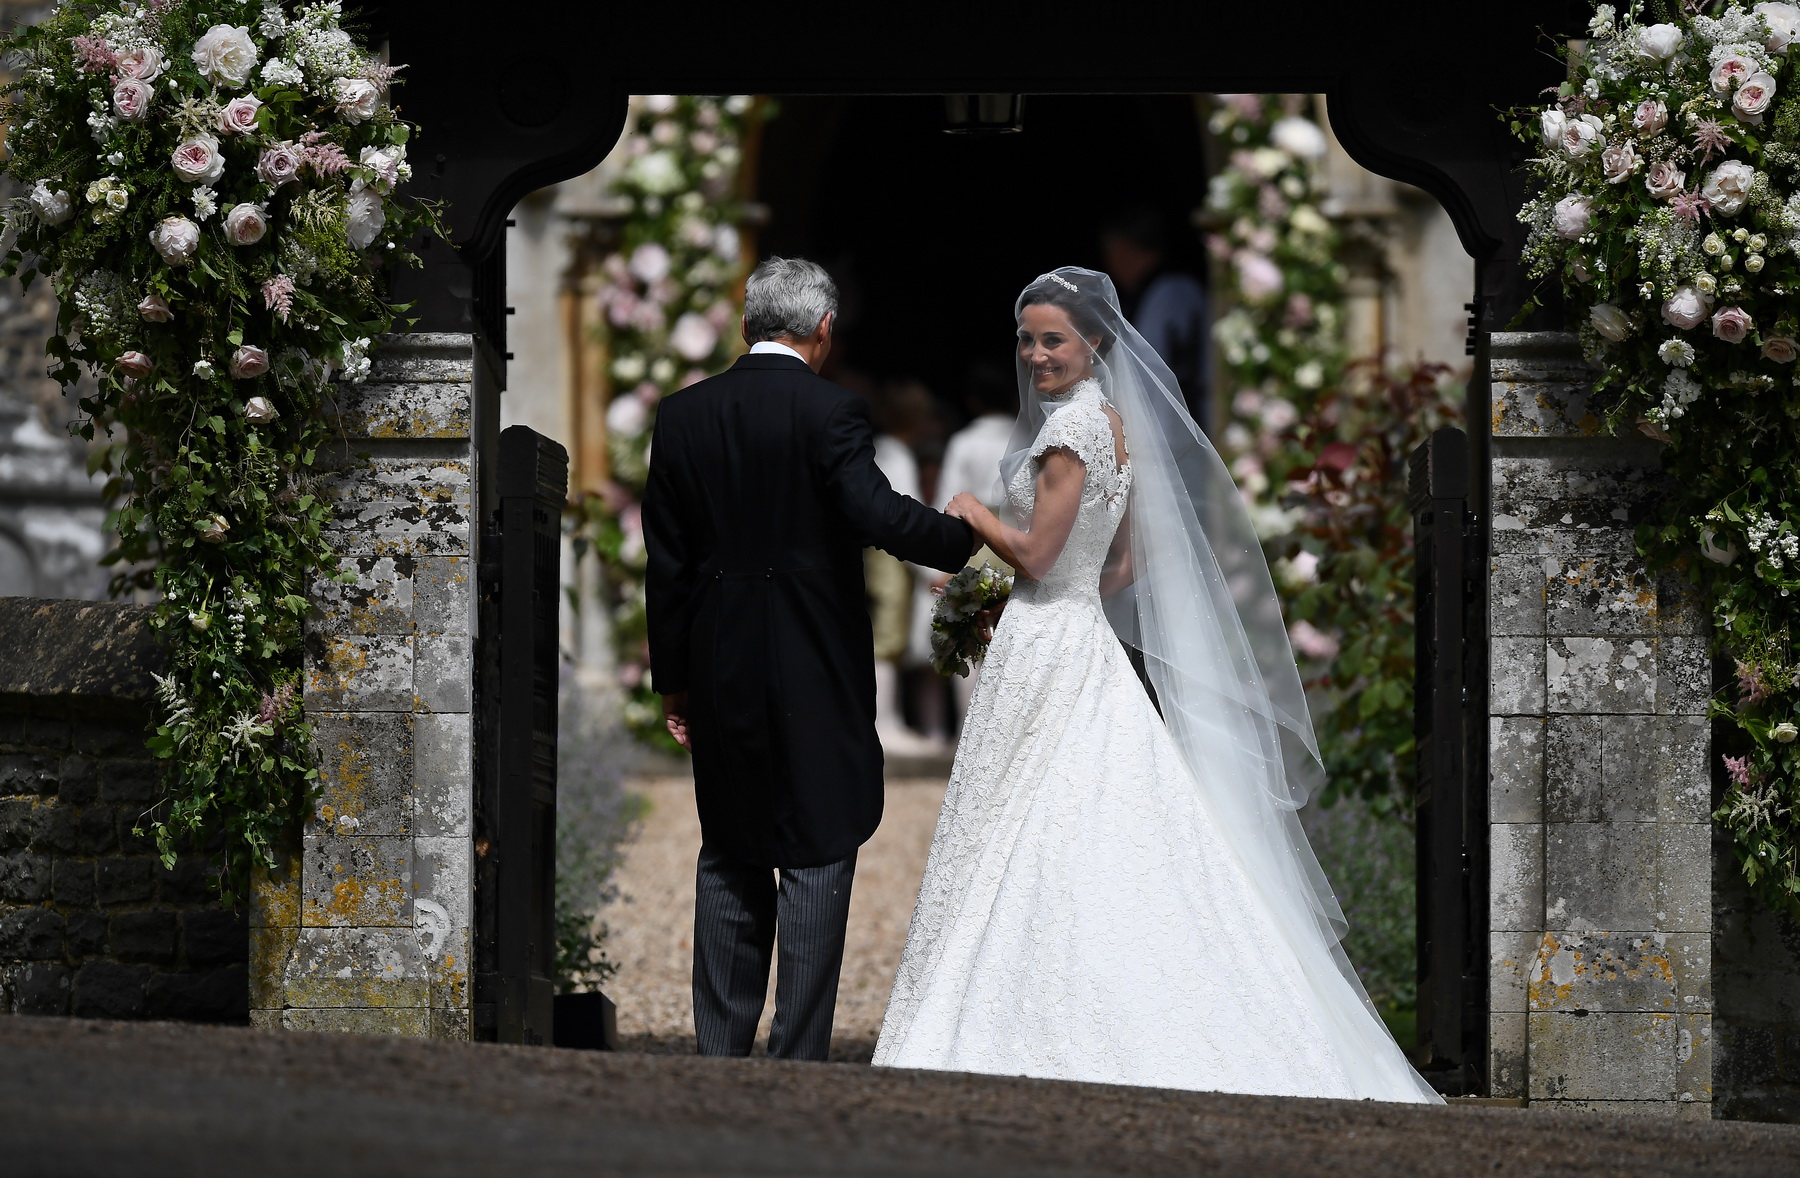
(675, 716)
(987, 619)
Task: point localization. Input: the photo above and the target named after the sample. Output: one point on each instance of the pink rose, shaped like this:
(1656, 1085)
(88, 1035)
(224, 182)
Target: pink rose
(1581, 135)
(198, 161)
(1665, 180)
(238, 117)
(131, 99)
(279, 165)
(1782, 349)
(1730, 71)
(153, 309)
(144, 63)
(1731, 324)
(1650, 117)
(1571, 216)
(176, 239)
(248, 362)
(1618, 162)
(135, 364)
(1752, 99)
(1258, 277)
(1687, 308)
(245, 224)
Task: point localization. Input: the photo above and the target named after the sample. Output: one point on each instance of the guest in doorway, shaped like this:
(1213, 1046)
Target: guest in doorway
(894, 602)
(1165, 302)
(972, 464)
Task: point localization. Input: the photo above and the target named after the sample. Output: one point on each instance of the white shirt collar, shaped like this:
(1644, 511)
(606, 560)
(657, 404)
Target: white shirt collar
(769, 347)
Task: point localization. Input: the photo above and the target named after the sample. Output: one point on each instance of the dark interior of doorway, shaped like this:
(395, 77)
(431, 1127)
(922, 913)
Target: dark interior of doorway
(931, 236)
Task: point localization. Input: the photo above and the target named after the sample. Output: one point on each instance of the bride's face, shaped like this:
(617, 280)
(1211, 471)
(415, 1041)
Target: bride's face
(1053, 351)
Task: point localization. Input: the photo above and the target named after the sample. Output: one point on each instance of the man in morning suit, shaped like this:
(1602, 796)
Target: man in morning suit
(763, 493)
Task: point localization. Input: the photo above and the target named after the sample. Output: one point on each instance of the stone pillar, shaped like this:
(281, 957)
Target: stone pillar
(1600, 885)
(368, 926)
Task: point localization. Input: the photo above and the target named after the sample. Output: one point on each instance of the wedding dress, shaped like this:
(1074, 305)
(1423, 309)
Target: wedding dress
(1089, 910)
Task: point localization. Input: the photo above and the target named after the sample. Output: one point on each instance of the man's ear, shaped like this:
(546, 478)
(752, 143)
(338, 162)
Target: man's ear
(826, 323)
(744, 327)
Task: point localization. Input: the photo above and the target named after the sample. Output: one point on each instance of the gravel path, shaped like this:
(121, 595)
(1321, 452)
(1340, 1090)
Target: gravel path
(652, 923)
(164, 1099)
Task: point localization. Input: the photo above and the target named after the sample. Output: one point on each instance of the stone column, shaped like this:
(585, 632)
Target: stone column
(368, 926)
(1599, 790)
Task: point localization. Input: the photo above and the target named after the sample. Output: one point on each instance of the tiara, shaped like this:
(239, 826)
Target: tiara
(1058, 278)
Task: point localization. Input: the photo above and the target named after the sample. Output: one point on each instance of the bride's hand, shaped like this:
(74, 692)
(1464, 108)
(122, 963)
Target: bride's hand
(965, 507)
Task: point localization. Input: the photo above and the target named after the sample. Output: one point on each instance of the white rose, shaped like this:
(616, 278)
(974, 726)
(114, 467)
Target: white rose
(356, 99)
(176, 239)
(198, 161)
(1728, 187)
(1610, 322)
(1298, 136)
(1618, 162)
(1784, 25)
(1781, 348)
(145, 63)
(385, 162)
(1686, 309)
(259, 409)
(1571, 216)
(1752, 99)
(225, 55)
(1785, 732)
(1658, 43)
(693, 337)
(1550, 126)
(52, 206)
(364, 217)
(238, 117)
(246, 224)
(1582, 135)
(1665, 180)
(627, 416)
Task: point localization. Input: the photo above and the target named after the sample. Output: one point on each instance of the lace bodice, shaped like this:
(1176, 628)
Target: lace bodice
(1080, 425)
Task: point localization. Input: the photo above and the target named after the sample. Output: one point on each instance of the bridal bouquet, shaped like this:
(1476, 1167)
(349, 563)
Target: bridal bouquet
(956, 625)
(210, 189)
(1669, 210)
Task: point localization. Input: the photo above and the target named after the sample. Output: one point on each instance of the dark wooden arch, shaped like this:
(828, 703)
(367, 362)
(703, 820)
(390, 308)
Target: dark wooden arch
(517, 96)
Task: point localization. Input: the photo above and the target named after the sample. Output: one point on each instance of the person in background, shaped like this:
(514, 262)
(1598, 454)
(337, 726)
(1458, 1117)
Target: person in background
(1166, 304)
(972, 464)
(893, 598)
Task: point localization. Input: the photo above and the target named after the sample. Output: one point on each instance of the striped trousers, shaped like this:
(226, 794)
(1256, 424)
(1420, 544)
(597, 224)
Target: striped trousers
(741, 914)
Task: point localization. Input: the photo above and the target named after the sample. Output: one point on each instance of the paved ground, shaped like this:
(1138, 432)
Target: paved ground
(164, 1099)
(652, 923)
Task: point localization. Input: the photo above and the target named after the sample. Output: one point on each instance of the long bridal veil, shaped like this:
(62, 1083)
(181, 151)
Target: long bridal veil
(1202, 609)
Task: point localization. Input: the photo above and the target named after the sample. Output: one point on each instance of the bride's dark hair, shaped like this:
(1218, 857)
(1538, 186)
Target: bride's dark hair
(1082, 307)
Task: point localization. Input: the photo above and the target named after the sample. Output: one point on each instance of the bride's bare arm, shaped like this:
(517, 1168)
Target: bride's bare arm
(1032, 553)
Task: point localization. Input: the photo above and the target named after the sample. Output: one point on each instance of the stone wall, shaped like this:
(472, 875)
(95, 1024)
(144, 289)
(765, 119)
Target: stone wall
(368, 927)
(1600, 797)
(90, 922)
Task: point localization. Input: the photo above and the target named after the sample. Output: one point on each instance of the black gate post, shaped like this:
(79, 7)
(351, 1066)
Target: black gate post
(1450, 803)
(515, 878)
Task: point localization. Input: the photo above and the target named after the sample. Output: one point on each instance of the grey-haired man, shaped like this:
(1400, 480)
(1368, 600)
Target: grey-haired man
(763, 493)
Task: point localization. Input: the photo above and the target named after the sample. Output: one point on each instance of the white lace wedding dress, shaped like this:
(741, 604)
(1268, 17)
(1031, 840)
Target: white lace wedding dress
(1083, 916)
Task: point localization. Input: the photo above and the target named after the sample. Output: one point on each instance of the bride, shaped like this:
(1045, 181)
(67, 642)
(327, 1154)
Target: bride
(1118, 888)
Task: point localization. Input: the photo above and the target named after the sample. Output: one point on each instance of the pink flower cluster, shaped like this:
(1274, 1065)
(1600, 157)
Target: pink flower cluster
(97, 57)
(1739, 769)
(278, 295)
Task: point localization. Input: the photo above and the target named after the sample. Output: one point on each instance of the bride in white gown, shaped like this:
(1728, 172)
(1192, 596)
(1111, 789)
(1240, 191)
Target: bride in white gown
(1114, 894)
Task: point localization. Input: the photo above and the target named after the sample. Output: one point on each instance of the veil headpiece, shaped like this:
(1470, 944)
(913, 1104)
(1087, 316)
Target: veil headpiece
(1202, 609)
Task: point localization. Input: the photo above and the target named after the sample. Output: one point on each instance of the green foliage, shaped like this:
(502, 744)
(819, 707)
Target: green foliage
(672, 293)
(212, 373)
(1721, 250)
(1355, 534)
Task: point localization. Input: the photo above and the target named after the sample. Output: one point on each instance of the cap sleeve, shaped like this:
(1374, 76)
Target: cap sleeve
(1081, 428)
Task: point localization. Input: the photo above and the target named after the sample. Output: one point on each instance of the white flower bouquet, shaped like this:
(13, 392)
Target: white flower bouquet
(958, 636)
(1669, 203)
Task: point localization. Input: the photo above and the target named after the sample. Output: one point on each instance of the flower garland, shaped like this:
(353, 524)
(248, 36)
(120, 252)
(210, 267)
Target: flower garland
(1669, 208)
(210, 192)
(672, 299)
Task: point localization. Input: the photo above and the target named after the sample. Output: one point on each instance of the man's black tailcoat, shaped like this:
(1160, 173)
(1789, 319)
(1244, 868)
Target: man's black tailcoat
(763, 492)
